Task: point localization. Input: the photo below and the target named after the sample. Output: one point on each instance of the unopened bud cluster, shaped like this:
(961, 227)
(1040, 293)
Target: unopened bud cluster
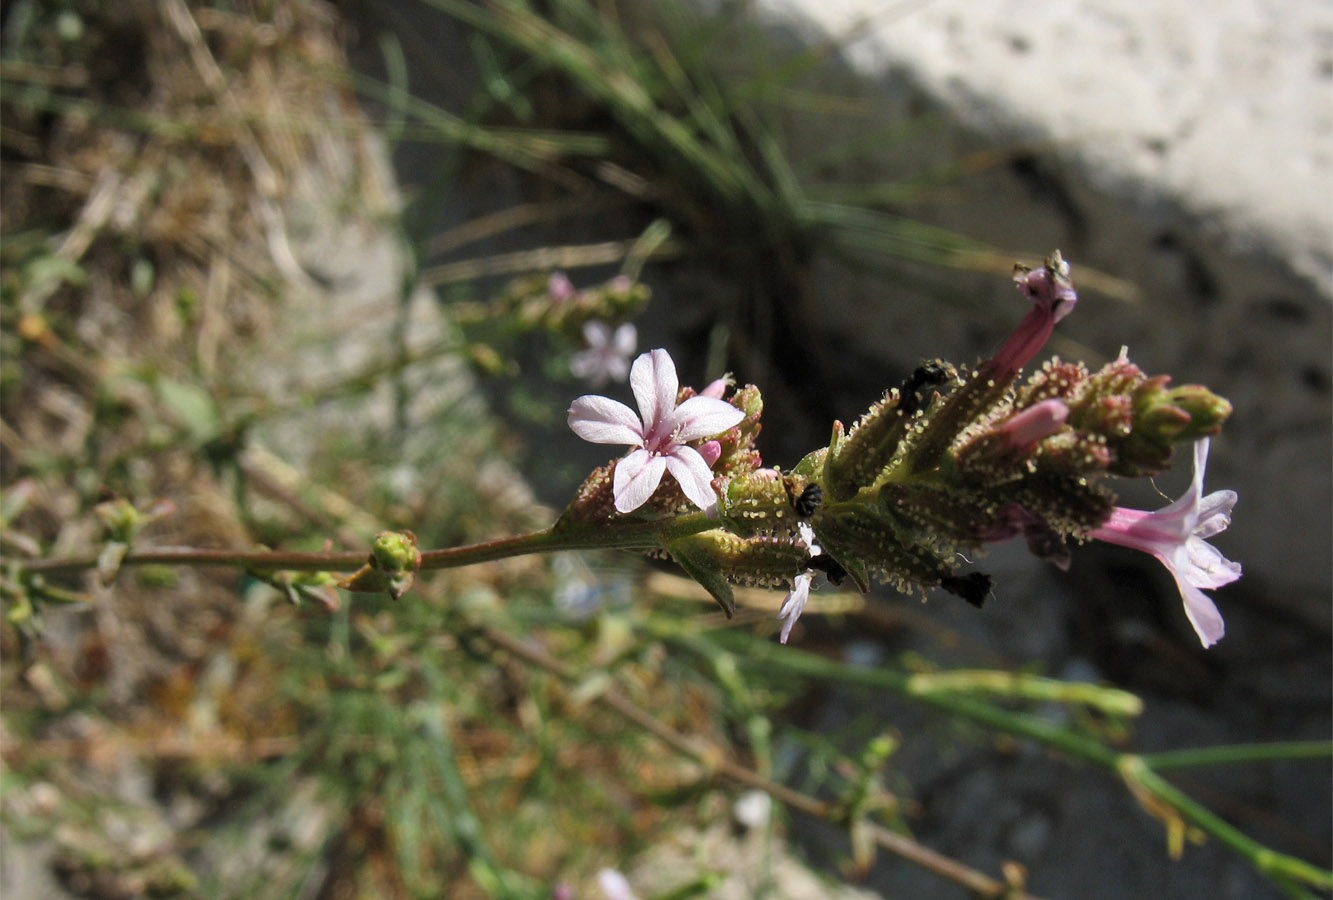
(551, 303)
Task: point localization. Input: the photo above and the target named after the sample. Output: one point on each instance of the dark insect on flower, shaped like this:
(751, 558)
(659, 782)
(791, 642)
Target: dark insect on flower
(804, 497)
(830, 567)
(911, 396)
(809, 501)
(973, 587)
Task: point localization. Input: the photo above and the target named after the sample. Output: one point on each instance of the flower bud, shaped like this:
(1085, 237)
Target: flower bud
(1206, 410)
(394, 560)
(1070, 506)
(119, 517)
(859, 460)
(736, 444)
(866, 540)
(395, 552)
(755, 502)
(1006, 448)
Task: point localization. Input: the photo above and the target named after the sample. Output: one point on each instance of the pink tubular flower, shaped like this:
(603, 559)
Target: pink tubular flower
(1053, 297)
(659, 434)
(794, 605)
(1177, 535)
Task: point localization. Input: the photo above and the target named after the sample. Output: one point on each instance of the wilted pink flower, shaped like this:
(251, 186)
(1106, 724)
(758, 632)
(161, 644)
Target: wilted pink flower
(794, 605)
(659, 434)
(607, 356)
(1177, 535)
(1053, 297)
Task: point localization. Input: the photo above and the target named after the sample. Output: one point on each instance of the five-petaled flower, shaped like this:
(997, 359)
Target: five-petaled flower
(607, 356)
(794, 605)
(660, 435)
(1177, 535)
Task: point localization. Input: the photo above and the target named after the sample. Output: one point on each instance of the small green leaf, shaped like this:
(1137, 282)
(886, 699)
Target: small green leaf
(192, 406)
(703, 568)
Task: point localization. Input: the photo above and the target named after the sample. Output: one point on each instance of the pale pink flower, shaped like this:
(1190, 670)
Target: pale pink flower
(607, 355)
(659, 435)
(794, 605)
(1178, 536)
(614, 885)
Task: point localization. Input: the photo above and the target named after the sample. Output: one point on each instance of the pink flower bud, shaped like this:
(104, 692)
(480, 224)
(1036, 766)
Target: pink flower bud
(717, 388)
(559, 288)
(711, 451)
(1041, 420)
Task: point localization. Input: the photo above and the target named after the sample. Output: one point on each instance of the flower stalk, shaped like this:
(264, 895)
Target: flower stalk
(943, 465)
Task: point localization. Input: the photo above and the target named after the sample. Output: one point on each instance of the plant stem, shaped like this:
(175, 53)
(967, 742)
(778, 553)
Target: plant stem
(633, 534)
(1240, 753)
(1137, 771)
(977, 882)
(1275, 865)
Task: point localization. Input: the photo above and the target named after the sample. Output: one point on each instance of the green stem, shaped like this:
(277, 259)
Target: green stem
(634, 534)
(1137, 771)
(1040, 730)
(1241, 753)
(1277, 866)
(1028, 687)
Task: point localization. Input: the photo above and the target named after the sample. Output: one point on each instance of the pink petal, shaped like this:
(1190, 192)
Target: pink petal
(635, 479)
(701, 417)
(711, 451)
(653, 379)
(1202, 613)
(1187, 505)
(717, 388)
(1215, 513)
(1204, 566)
(602, 420)
(687, 466)
(596, 335)
(625, 339)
